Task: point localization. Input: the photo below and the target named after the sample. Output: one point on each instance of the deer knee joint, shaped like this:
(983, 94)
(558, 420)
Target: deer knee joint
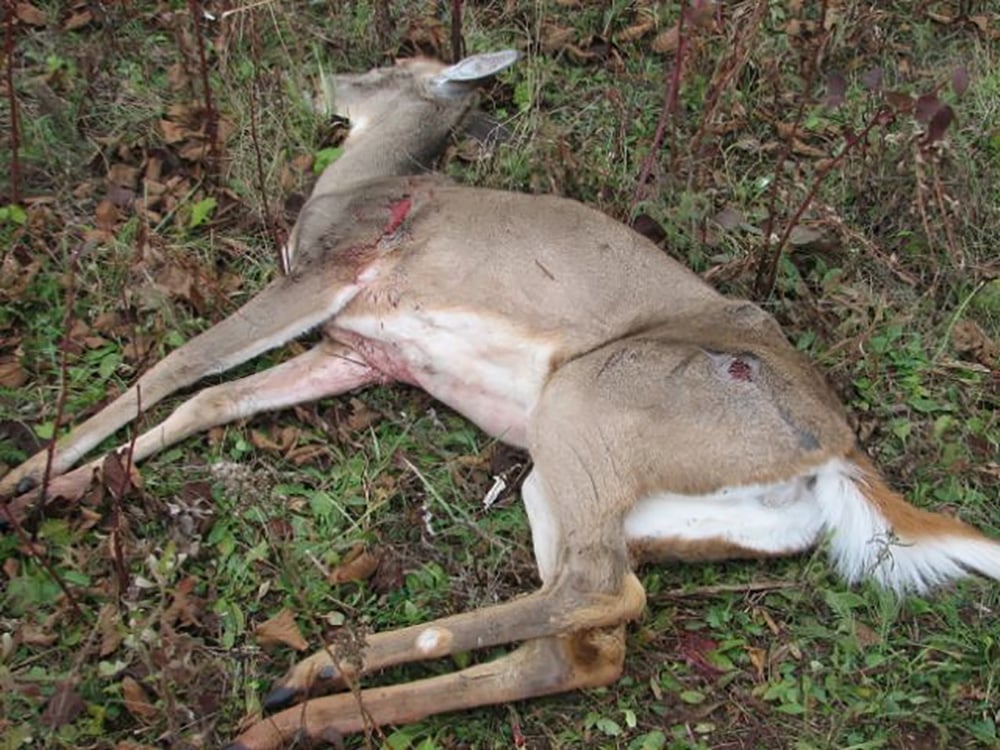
(434, 641)
(599, 610)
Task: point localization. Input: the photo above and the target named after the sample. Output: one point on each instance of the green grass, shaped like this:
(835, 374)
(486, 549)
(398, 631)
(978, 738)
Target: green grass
(233, 527)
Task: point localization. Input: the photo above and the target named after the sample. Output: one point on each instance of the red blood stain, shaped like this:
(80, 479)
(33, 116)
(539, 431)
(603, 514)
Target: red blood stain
(740, 370)
(397, 214)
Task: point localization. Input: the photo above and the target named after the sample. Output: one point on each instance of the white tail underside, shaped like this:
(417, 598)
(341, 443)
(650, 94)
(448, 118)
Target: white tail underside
(792, 516)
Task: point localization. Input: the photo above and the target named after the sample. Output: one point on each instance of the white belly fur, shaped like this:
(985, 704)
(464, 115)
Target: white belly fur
(481, 366)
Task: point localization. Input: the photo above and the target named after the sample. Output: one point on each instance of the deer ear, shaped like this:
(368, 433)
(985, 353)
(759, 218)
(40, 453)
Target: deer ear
(475, 68)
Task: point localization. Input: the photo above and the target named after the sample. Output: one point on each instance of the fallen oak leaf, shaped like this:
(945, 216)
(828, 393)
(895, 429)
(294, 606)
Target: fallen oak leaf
(12, 375)
(137, 700)
(29, 14)
(184, 607)
(111, 635)
(78, 19)
(33, 635)
(667, 41)
(358, 565)
(281, 629)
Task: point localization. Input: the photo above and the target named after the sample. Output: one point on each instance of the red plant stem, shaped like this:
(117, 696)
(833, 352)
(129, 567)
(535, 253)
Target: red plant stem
(272, 225)
(29, 545)
(15, 128)
(64, 344)
(211, 121)
(671, 90)
(457, 47)
(767, 269)
(772, 268)
(117, 549)
(67, 325)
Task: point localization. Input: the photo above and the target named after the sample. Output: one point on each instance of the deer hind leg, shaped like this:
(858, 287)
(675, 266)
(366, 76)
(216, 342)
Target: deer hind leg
(573, 625)
(328, 369)
(554, 610)
(543, 666)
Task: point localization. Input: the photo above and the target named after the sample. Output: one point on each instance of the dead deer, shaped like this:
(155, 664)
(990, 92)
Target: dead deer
(665, 421)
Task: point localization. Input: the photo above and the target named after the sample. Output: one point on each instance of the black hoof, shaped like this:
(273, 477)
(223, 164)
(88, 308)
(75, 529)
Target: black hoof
(280, 698)
(27, 484)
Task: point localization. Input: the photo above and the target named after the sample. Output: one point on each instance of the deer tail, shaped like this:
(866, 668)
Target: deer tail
(875, 533)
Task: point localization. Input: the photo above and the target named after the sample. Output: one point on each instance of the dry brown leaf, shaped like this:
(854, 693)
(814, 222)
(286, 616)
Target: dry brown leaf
(32, 635)
(12, 375)
(119, 475)
(137, 701)
(196, 150)
(173, 132)
(358, 565)
(10, 567)
(803, 235)
(362, 417)
(106, 215)
(758, 657)
(64, 705)
(555, 38)
(636, 31)
(183, 608)
(15, 277)
(865, 636)
(305, 454)
(667, 41)
(971, 341)
(123, 175)
(78, 19)
(107, 625)
(29, 14)
(262, 442)
(801, 148)
(281, 629)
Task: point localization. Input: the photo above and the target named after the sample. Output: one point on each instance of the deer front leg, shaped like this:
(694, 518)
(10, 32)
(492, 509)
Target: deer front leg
(589, 658)
(285, 309)
(328, 369)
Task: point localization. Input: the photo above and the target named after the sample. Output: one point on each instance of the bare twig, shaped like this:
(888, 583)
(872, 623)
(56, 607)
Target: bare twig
(276, 233)
(383, 24)
(211, 117)
(29, 539)
(30, 547)
(672, 84)
(64, 346)
(117, 493)
(725, 72)
(728, 588)
(767, 271)
(15, 129)
(767, 268)
(457, 43)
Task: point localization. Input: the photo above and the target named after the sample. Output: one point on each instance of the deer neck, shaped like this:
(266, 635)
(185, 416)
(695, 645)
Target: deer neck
(371, 155)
